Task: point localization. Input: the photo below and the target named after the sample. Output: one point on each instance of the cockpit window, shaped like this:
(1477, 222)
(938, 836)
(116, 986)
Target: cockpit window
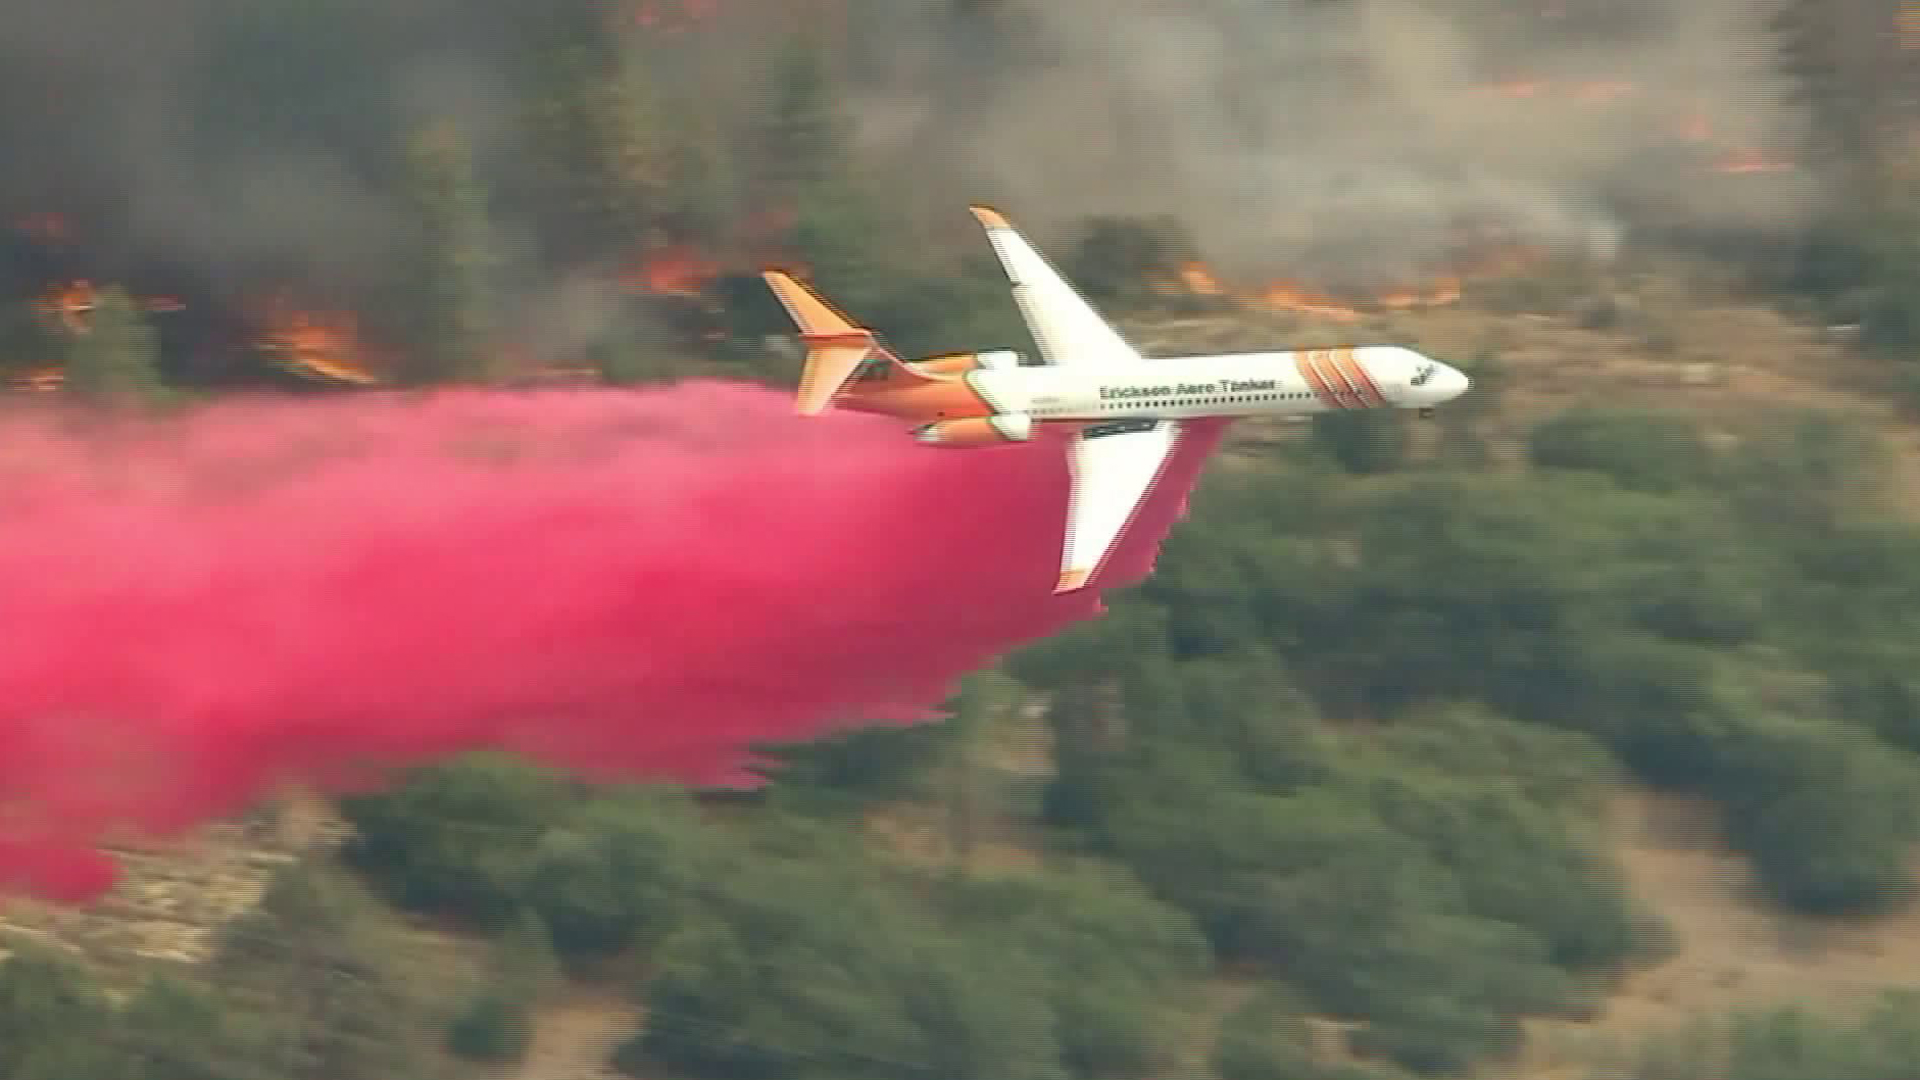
(1420, 377)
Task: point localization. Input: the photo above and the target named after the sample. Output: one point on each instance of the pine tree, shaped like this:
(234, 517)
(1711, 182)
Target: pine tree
(699, 196)
(116, 358)
(1845, 71)
(1364, 441)
(985, 702)
(804, 139)
(454, 263)
(601, 155)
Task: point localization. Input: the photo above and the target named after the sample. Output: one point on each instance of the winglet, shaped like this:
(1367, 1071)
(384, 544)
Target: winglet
(990, 217)
(835, 346)
(1071, 580)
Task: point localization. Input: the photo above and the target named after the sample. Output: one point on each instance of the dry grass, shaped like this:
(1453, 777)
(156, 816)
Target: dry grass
(1735, 949)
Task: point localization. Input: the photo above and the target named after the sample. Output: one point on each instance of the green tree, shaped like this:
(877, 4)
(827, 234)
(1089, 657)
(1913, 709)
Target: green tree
(621, 874)
(1826, 811)
(601, 164)
(1108, 954)
(800, 969)
(1364, 440)
(1120, 259)
(1643, 450)
(316, 959)
(495, 1026)
(1845, 72)
(453, 263)
(802, 140)
(115, 359)
(461, 838)
(497, 1023)
(1266, 1038)
(51, 1019)
(171, 1030)
(1517, 861)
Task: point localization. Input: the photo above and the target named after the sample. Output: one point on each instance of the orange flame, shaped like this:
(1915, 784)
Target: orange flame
(1604, 90)
(672, 17)
(1516, 88)
(38, 380)
(677, 270)
(1596, 90)
(1748, 159)
(1196, 279)
(1199, 280)
(47, 227)
(322, 345)
(1290, 296)
(69, 302)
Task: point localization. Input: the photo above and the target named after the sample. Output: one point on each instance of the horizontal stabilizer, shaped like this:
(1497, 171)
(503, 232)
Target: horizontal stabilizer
(835, 346)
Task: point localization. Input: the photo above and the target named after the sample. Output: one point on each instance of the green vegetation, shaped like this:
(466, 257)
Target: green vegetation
(1782, 1043)
(1636, 602)
(309, 986)
(117, 362)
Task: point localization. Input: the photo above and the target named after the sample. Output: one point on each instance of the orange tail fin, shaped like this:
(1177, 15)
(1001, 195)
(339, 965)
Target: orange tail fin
(835, 346)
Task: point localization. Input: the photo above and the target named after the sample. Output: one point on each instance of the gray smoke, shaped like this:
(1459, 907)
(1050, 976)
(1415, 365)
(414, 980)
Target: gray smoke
(1295, 137)
(1354, 137)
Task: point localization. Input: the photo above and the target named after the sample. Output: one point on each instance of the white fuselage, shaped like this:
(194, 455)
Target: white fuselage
(1293, 382)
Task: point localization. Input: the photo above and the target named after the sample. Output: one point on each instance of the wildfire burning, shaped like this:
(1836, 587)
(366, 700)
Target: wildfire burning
(1694, 127)
(311, 344)
(671, 16)
(1749, 159)
(676, 270)
(48, 228)
(1196, 279)
(38, 380)
(69, 303)
(1595, 90)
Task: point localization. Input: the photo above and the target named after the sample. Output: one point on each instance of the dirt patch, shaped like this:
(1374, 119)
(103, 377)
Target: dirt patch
(173, 898)
(574, 1039)
(1735, 948)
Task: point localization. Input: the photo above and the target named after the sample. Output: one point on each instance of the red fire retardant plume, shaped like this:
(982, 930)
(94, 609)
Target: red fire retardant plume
(632, 584)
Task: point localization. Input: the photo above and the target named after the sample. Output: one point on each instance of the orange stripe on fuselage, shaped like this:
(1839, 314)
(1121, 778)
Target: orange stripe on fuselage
(1357, 376)
(1322, 360)
(1304, 364)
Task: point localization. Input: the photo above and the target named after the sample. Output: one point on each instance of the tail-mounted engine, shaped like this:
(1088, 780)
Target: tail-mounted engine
(977, 431)
(961, 363)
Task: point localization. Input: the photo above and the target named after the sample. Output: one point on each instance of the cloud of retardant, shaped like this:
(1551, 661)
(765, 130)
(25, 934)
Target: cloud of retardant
(637, 584)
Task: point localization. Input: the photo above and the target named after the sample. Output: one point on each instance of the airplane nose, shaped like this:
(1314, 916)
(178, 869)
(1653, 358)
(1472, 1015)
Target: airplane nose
(1448, 383)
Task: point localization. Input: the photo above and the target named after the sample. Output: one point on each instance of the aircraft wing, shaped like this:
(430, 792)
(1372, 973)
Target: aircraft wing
(1067, 328)
(1115, 466)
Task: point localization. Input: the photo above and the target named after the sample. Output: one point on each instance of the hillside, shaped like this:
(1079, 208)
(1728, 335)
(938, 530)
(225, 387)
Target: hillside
(1733, 947)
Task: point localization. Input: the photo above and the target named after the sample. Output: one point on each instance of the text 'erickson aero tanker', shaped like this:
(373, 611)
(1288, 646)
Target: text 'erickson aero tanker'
(1122, 412)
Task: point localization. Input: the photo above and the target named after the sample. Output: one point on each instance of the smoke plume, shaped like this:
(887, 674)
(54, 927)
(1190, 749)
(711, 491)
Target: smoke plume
(1329, 141)
(633, 584)
(1354, 138)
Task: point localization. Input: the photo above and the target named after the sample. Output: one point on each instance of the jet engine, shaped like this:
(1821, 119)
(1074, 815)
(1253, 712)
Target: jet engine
(977, 431)
(961, 363)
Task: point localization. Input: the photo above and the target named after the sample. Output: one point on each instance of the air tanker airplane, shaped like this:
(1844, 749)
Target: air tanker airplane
(1121, 411)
